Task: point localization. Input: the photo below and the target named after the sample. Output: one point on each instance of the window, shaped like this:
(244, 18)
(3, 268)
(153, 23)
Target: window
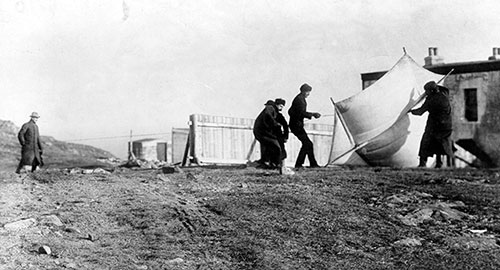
(470, 96)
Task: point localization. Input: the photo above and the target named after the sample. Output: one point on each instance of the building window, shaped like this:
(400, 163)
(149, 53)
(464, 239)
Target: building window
(470, 104)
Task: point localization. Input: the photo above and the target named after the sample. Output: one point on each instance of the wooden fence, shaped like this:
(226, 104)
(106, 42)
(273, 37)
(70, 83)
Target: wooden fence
(229, 140)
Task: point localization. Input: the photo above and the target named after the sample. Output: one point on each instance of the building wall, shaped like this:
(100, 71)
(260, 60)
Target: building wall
(150, 150)
(485, 131)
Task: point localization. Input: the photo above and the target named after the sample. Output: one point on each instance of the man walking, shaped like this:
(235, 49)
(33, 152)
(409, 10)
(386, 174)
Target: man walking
(31, 146)
(298, 111)
(437, 135)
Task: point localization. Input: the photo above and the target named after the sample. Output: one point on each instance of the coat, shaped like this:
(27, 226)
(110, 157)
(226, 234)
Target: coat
(437, 135)
(29, 138)
(439, 108)
(298, 111)
(265, 124)
(282, 132)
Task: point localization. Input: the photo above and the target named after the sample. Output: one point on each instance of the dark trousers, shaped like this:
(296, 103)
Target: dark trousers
(34, 165)
(271, 147)
(307, 148)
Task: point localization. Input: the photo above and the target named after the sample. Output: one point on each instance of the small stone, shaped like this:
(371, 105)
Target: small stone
(91, 237)
(176, 261)
(44, 250)
(72, 230)
(408, 242)
(51, 220)
(167, 169)
(20, 224)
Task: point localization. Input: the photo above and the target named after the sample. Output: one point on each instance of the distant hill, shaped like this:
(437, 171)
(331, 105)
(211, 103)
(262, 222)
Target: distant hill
(56, 153)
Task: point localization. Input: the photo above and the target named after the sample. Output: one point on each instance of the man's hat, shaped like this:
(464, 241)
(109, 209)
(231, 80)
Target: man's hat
(34, 115)
(269, 102)
(431, 86)
(279, 101)
(305, 88)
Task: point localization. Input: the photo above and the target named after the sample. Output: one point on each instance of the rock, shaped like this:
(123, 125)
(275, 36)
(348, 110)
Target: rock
(408, 242)
(100, 170)
(191, 176)
(51, 220)
(472, 243)
(75, 171)
(44, 250)
(243, 185)
(417, 217)
(87, 171)
(91, 237)
(72, 230)
(167, 169)
(20, 224)
(175, 261)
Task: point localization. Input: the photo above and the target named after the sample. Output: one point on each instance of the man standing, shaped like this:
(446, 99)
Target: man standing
(298, 111)
(264, 130)
(437, 135)
(31, 146)
(282, 135)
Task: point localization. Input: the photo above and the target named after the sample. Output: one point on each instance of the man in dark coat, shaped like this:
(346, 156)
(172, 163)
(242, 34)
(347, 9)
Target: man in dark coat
(282, 132)
(298, 111)
(264, 130)
(437, 135)
(31, 146)
(282, 135)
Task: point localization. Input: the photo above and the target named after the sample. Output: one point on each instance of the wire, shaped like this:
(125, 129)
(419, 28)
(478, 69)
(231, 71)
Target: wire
(116, 137)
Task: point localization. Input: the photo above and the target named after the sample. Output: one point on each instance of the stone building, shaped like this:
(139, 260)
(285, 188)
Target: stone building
(475, 93)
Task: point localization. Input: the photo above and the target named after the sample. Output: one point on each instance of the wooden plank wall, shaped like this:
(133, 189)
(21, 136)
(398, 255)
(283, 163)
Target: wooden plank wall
(220, 139)
(179, 139)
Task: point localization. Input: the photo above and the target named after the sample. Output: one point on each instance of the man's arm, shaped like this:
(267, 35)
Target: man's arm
(20, 135)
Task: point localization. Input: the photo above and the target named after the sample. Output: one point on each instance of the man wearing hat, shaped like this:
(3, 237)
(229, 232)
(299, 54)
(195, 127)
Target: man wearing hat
(282, 134)
(264, 130)
(437, 135)
(298, 111)
(31, 146)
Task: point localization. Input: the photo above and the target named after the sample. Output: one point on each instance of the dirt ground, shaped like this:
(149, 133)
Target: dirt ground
(247, 218)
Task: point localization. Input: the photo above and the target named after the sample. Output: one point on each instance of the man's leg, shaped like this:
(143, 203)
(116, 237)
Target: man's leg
(448, 149)
(308, 149)
(273, 149)
(422, 162)
(439, 162)
(19, 167)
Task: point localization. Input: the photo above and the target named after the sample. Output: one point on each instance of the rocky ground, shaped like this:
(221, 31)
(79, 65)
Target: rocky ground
(246, 218)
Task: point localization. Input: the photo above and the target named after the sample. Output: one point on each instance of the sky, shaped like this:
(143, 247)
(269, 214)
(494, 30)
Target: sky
(97, 70)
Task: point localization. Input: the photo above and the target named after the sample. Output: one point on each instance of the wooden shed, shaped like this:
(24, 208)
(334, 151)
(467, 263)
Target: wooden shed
(151, 149)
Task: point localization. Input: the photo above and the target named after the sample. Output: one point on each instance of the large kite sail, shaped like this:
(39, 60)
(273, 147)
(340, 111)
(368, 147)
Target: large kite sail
(375, 126)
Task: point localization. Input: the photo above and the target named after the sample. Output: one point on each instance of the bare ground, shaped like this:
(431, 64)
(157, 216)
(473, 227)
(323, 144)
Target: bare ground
(244, 218)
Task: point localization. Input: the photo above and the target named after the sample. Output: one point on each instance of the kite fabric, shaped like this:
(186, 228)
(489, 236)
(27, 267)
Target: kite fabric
(381, 131)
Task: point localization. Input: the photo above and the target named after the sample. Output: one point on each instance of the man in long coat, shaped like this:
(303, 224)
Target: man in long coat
(437, 135)
(298, 111)
(31, 146)
(264, 130)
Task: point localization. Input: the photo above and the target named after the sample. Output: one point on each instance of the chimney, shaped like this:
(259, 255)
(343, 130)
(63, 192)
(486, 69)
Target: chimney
(433, 58)
(496, 54)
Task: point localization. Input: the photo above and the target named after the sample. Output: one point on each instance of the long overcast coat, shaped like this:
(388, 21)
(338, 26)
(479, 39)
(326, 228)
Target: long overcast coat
(29, 138)
(437, 135)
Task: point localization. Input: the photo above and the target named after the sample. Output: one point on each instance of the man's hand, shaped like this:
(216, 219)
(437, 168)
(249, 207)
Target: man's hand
(316, 115)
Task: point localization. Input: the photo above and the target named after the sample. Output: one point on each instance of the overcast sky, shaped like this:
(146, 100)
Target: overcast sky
(96, 69)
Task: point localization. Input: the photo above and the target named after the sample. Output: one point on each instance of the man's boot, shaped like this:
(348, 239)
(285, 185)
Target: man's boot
(423, 162)
(439, 162)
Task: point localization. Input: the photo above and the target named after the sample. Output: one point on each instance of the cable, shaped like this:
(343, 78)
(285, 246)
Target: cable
(116, 137)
